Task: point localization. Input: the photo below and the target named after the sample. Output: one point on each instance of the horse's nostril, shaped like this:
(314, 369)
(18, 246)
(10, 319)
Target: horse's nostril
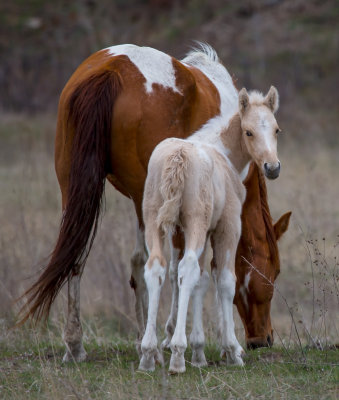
(269, 340)
(265, 165)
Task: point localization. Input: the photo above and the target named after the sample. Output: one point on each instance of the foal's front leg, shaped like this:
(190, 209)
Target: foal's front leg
(224, 250)
(197, 337)
(177, 245)
(188, 277)
(155, 273)
(73, 330)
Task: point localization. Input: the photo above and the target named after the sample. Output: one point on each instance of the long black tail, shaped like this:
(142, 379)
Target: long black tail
(90, 116)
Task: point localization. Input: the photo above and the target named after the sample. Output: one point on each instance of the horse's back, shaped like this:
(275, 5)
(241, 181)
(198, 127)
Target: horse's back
(160, 98)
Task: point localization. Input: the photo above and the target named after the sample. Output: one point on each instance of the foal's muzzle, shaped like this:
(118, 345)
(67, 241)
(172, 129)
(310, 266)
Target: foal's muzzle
(272, 170)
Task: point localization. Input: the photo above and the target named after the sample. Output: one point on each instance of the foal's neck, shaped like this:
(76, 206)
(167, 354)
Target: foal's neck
(232, 139)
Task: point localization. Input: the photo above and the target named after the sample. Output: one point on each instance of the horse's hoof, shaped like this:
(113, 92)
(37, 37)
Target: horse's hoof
(147, 363)
(76, 356)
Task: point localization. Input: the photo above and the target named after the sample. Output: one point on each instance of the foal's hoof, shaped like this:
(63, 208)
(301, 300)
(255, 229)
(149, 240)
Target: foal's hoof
(147, 363)
(233, 358)
(159, 359)
(198, 358)
(177, 364)
(77, 355)
(165, 344)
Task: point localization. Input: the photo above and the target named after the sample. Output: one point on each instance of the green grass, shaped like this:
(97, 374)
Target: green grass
(31, 367)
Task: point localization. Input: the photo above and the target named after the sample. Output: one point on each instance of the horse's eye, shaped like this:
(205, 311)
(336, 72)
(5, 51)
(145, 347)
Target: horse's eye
(248, 133)
(277, 130)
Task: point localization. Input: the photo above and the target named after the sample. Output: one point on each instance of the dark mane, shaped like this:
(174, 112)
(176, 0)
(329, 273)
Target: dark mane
(270, 234)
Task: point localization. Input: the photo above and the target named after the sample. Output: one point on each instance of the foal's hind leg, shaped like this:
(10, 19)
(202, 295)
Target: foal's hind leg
(188, 278)
(73, 329)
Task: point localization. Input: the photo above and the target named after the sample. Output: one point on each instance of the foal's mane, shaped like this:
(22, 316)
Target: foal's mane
(270, 234)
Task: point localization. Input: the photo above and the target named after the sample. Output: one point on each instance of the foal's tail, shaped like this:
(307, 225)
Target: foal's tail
(90, 108)
(172, 189)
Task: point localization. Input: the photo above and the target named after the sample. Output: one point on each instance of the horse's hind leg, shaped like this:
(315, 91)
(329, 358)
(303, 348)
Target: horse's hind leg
(137, 282)
(73, 329)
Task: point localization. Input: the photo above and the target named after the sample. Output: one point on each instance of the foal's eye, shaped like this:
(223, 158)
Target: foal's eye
(248, 133)
(277, 131)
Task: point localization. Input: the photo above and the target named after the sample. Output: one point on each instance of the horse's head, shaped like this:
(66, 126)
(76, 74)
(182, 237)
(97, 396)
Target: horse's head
(260, 129)
(257, 269)
(257, 261)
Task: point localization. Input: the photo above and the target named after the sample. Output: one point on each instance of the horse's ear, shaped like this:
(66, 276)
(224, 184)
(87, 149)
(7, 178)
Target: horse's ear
(281, 226)
(272, 99)
(244, 101)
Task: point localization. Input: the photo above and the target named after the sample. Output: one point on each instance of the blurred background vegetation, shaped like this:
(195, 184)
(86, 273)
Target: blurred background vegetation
(293, 44)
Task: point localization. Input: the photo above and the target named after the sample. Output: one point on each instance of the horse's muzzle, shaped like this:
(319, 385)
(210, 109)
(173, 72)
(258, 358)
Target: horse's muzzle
(272, 170)
(256, 342)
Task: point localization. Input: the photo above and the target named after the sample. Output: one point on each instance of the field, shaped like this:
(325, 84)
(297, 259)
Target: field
(291, 44)
(303, 363)
(31, 368)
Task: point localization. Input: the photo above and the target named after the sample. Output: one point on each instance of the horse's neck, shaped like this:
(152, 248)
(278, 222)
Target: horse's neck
(233, 141)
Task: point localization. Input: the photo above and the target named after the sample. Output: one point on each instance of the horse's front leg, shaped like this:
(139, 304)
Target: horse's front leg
(73, 330)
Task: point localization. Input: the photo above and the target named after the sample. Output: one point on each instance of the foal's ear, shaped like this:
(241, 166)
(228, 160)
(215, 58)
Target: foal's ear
(244, 101)
(281, 226)
(272, 99)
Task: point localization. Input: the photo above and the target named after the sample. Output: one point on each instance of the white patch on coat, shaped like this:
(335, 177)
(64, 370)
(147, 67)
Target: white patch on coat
(154, 65)
(244, 289)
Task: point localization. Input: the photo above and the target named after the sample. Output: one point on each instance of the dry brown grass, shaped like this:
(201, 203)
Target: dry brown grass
(30, 215)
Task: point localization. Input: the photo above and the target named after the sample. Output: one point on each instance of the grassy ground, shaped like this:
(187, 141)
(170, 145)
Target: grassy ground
(305, 304)
(31, 368)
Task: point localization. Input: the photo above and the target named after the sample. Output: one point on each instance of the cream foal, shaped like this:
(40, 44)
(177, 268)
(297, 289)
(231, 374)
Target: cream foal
(196, 184)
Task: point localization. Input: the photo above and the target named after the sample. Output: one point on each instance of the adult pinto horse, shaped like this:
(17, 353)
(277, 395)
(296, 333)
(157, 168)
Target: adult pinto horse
(117, 106)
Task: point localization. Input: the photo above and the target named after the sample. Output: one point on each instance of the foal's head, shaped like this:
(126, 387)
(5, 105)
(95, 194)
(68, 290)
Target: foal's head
(260, 129)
